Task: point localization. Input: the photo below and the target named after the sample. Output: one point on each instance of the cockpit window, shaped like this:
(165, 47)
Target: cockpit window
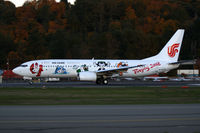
(23, 65)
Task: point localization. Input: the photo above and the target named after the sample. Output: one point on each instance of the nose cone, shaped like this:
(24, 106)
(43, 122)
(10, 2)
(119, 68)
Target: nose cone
(16, 71)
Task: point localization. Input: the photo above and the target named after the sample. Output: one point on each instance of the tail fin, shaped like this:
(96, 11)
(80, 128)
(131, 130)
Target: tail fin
(172, 49)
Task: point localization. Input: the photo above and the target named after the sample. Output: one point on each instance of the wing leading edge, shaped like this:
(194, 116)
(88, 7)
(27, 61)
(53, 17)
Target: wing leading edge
(116, 70)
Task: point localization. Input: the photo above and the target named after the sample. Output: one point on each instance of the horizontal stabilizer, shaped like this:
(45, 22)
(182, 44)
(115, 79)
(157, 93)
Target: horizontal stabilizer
(184, 62)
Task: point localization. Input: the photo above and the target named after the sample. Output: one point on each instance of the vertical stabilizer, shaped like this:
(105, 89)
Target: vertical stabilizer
(171, 50)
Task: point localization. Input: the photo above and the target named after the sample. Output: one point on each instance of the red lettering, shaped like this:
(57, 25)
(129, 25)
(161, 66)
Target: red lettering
(147, 68)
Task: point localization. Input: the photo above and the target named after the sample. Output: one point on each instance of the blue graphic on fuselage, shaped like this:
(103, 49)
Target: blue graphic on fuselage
(60, 70)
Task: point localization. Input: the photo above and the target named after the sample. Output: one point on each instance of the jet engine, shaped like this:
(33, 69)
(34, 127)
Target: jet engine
(87, 76)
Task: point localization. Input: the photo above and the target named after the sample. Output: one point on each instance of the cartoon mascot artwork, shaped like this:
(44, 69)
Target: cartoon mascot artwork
(121, 64)
(101, 65)
(36, 69)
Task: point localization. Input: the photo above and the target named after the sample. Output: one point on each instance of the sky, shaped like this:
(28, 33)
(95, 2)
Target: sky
(21, 2)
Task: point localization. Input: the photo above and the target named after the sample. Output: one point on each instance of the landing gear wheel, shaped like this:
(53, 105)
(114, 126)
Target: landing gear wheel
(105, 81)
(98, 81)
(30, 82)
(102, 81)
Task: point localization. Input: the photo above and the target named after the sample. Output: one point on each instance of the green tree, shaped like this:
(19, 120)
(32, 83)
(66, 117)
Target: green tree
(7, 12)
(6, 45)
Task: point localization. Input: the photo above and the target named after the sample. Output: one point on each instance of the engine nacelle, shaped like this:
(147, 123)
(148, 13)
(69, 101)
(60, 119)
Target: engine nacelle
(87, 76)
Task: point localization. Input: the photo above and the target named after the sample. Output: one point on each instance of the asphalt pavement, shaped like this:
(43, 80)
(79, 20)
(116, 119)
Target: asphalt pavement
(124, 83)
(167, 118)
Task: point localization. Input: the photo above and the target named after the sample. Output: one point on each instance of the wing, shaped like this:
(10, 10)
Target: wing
(110, 72)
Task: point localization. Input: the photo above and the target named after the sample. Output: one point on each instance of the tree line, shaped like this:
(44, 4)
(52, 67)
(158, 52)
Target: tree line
(103, 29)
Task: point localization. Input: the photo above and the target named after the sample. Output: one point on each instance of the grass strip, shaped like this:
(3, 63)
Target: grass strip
(99, 96)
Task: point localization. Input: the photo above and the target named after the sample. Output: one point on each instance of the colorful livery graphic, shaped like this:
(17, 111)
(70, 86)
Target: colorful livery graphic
(172, 50)
(60, 70)
(102, 70)
(36, 69)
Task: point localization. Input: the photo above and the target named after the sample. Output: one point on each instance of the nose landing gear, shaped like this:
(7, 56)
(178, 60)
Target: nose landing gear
(30, 82)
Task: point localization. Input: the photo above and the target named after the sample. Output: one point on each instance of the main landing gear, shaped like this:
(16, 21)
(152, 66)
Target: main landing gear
(102, 81)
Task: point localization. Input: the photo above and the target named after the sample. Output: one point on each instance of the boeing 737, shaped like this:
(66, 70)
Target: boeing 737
(100, 71)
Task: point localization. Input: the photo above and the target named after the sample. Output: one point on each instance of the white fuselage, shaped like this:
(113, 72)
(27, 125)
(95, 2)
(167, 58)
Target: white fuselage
(71, 68)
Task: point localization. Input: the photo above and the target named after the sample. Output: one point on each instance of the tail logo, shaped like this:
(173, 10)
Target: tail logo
(172, 50)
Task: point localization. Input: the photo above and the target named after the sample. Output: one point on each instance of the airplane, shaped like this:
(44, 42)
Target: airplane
(100, 71)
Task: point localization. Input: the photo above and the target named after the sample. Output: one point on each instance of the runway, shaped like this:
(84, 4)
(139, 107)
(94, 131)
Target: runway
(111, 84)
(169, 118)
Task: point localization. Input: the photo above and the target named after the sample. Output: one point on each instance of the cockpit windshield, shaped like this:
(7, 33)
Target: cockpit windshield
(23, 65)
